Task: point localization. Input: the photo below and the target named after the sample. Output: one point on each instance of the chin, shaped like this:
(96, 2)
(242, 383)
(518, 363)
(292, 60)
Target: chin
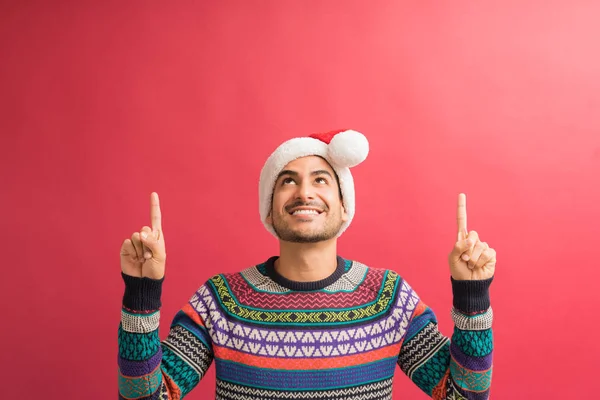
(295, 236)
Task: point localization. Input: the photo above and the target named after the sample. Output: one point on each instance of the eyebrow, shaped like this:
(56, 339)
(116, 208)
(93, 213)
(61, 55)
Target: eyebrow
(294, 173)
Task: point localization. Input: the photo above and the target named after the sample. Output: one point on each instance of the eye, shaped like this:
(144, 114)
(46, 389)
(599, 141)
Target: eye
(285, 181)
(321, 180)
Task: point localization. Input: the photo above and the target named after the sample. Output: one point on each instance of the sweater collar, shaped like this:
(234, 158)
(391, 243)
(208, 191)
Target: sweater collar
(305, 286)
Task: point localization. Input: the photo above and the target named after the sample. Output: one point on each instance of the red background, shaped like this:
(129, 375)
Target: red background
(102, 104)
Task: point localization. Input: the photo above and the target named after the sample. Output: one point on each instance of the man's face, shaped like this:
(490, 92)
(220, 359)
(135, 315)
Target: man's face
(306, 206)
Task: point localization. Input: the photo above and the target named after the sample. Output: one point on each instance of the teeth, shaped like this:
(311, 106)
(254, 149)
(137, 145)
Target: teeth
(305, 212)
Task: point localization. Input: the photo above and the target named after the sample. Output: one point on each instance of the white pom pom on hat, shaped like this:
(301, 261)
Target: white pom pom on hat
(342, 149)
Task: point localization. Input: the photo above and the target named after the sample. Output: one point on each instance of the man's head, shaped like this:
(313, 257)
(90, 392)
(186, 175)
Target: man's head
(311, 173)
(306, 206)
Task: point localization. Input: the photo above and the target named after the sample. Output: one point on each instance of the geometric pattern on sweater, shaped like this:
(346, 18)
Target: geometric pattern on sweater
(355, 273)
(306, 379)
(139, 386)
(336, 314)
(423, 317)
(428, 374)
(473, 381)
(474, 343)
(140, 323)
(187, 346)
(472, 363)
(180, 371)
(257, 277)
(246, 295)
(259, 280)
(452, 392)
(381, 390)
(160, 394)
(164, 393)
(439, 390)
(139, 368)
(302, 300)
(188, 319)
(420, 348)
(259, 354)
(140, 312)
(138, 346)
(477, 322)
(307, 343)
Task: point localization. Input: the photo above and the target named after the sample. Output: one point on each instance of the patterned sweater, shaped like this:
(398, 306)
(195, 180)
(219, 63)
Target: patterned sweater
(272, 338)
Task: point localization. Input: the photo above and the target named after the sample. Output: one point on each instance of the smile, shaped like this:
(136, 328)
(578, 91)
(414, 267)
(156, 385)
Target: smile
(305, 211)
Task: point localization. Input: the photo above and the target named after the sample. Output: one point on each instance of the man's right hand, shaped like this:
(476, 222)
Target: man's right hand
(143, 255)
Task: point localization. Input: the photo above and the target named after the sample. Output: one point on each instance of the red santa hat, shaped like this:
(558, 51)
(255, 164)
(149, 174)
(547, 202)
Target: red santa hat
(342, 149)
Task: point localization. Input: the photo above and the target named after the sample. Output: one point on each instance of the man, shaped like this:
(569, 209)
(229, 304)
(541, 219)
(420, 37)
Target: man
(307, 324)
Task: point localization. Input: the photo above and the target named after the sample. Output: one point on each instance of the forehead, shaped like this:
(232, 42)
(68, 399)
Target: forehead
(309, 163)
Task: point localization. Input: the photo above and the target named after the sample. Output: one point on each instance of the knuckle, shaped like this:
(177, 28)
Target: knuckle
(460, 248)
(486, 257)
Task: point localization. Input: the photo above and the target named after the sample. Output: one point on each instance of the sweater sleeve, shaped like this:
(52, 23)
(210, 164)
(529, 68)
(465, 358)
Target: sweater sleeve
(149, 368)
(459, 367)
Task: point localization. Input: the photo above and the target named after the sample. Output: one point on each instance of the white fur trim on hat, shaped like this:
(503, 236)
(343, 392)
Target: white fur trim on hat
(345, 149)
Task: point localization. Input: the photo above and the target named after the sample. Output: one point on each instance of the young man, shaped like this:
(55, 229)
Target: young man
(307, 324)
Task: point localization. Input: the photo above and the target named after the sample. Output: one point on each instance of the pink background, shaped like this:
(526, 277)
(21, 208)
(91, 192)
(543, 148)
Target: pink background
(102, 104)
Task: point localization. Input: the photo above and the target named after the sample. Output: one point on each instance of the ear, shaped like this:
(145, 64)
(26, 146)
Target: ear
(345, 216)
(269, 219)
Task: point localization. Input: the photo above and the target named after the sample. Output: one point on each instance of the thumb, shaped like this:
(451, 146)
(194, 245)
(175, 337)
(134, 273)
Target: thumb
(460, 248)
(150, 240)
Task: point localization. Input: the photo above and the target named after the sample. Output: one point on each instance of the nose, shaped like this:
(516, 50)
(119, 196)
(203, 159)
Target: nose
(305, 191)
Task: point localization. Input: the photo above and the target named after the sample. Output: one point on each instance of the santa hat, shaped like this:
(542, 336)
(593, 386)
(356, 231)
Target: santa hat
(342, 149)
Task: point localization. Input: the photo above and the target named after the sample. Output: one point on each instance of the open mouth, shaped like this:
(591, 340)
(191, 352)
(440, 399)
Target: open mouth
(305, 211)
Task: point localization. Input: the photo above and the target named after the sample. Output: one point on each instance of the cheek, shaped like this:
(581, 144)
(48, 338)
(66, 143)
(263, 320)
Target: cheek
(278, 202)
(333, 200)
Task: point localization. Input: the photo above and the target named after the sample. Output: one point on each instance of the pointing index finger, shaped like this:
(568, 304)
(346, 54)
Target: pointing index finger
(155, 215)
(461, 216)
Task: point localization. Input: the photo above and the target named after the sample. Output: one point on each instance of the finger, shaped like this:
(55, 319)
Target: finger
(461, 216)
(155, 214)
(460, 248)
(487, 256)
(137, 246)
(479, 248)
(154, 246)
(146, 238)
(474, 237)
(128, 250)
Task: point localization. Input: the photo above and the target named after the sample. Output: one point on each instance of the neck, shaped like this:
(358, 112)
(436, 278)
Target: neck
(306, 262)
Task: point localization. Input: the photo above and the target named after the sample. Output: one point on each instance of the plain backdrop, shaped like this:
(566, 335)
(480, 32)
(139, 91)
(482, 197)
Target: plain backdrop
(104, 102)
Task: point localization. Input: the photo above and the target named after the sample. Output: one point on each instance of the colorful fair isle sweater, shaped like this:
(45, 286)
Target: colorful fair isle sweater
(336, 339)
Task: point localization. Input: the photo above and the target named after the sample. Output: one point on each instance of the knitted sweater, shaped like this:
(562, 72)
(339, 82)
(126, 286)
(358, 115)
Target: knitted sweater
(272, 338)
